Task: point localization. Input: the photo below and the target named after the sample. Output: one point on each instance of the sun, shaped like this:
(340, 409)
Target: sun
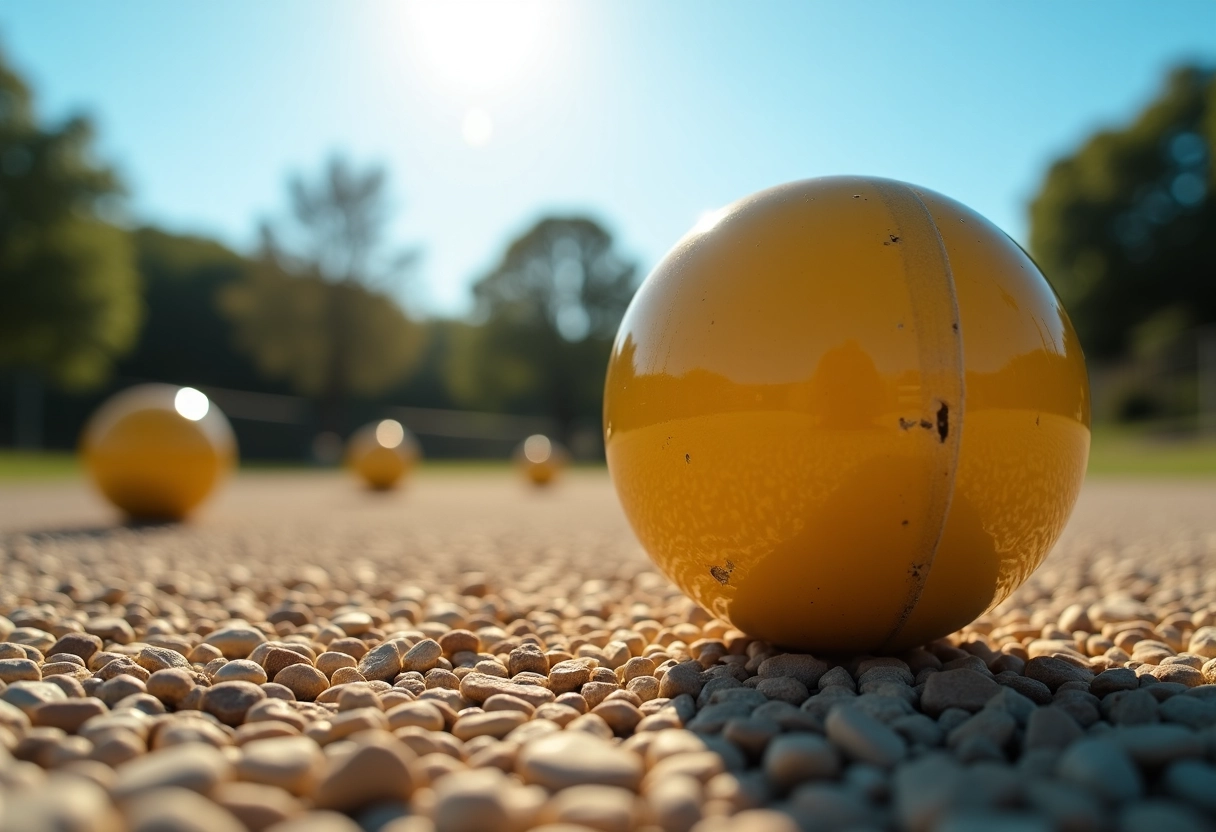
(476, 47)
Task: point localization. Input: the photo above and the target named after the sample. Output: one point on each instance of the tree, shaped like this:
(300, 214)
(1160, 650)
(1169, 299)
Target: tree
(69, 292)
(314, 310)
(1123, 227)
(550, 309)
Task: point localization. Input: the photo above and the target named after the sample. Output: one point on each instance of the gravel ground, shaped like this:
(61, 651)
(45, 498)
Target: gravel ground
(472, 655)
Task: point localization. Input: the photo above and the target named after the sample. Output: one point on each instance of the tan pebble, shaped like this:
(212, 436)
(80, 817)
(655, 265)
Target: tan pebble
(506, 702)
(275, 710)
(68, 715)
(65, 669)
(492, 667)
(234, 642)
(591, 724)
(497, 724)
(422, 656)
(19, 670)
(572, 758)
(574, 700)
(101, 658)
(170, 686)
(257, 806)
(290, 763)
(353, 623)
(65, 801)
(374, 772)
(420, 714)
(240, 670)
(186, 731)
(264, 729)
(435, 765)
(472, 801)
(675, 803)
(423, 741)
(303, 680)
(596, 692)
(495, 754)
(637, 667)
(346, 675)
(556, 712)
(229, 701)
(1209, 672)
(38, 744)
(119, 688)
(318, 821)
(353, 697)
(477, 687)
(604, 808)
(569, 676)
(204, 653)
(439, 678)
(153, 659)
(458, 641)
(701, 765)
(1203, 642)
(330, 661)
(274, 659)
(527, 658)
(197, 767)
(83, 645)
(354, 647)
(622, 717)
(1179, 674)
(122, 666)
(180, 810)
(344, 724)
(382, 662)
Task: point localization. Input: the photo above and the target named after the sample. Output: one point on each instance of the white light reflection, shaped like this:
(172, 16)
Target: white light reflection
(537, 448)
(389, 433)
(191, 404)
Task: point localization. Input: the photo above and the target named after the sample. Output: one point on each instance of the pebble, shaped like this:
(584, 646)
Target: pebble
(195, 766)
(378, 770)
(304, 681)
(795, 758)
(293, 764)
(229, 701)
(864, 738)
(961, 688)
(1102, 767)
(573, 758)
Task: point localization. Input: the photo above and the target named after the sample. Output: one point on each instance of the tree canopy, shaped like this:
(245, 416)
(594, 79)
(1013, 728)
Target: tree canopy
(69, 289)
(550, 308)
(315, 309)
(1124, 226)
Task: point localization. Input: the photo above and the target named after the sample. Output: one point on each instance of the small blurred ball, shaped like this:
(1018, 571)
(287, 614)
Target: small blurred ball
(156, 451)
(382, 453)
(541, 459)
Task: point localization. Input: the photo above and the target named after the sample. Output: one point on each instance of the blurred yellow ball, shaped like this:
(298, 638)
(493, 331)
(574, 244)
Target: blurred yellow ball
(156, 450)
(382, 453)
(847, 414)
(541, 459)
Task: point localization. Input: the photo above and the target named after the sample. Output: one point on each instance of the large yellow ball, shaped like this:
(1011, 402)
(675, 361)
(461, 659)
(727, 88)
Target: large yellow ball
(156, 450)
(382, 454)
(847, 414)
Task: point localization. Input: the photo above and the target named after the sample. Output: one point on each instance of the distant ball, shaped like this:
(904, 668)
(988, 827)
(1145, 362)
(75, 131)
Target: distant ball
(156, 451)
(382, 453)
(847, 414)
(541, 459)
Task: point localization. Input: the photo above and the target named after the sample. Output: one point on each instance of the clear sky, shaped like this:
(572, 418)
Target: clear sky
(645, 114)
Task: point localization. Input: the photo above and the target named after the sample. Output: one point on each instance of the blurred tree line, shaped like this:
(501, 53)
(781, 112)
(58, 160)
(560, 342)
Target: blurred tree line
(313, 314)
(1124, 228)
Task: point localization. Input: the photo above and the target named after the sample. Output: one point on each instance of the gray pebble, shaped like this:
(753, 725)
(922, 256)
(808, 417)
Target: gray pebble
(837, 677)
(1032, 689)
(806, 669)
(1192, 781)
(794, 758)
(784, 689)
(1067, 809)
(1054, 672)
(1051, 728)
(1161, 814)
(1103, 767)
(919, 729)
(1156, 745)
(997, 726)
(961, 688)
(1114, 679)
(864, 738)
(1133, 707)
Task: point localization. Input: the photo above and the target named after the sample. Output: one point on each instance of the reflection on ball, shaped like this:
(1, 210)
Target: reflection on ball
(156, 451)
(847, 414)
(382, 453)
(540, 459)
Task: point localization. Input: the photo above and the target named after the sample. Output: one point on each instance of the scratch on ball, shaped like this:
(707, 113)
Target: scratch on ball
(721, 574)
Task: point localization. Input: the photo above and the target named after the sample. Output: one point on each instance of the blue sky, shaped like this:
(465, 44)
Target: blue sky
(645, 114)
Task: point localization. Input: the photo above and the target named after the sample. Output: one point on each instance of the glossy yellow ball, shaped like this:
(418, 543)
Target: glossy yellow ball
(541, 459)
(382, 453)
(847, 414)
(156, 450)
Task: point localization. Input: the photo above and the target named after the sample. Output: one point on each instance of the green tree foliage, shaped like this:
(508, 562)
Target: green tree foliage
(186, 339)
(1124, 227)
(314, 310)
(550, 309)
(69, 292)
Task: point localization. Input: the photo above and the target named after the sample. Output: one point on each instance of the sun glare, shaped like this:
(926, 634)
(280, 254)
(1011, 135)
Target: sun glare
(477, 45)
(191, 404)
(478, 127)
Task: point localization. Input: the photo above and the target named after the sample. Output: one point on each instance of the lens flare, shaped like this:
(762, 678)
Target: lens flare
(389, 433)
(191, 404)
(537, 448)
